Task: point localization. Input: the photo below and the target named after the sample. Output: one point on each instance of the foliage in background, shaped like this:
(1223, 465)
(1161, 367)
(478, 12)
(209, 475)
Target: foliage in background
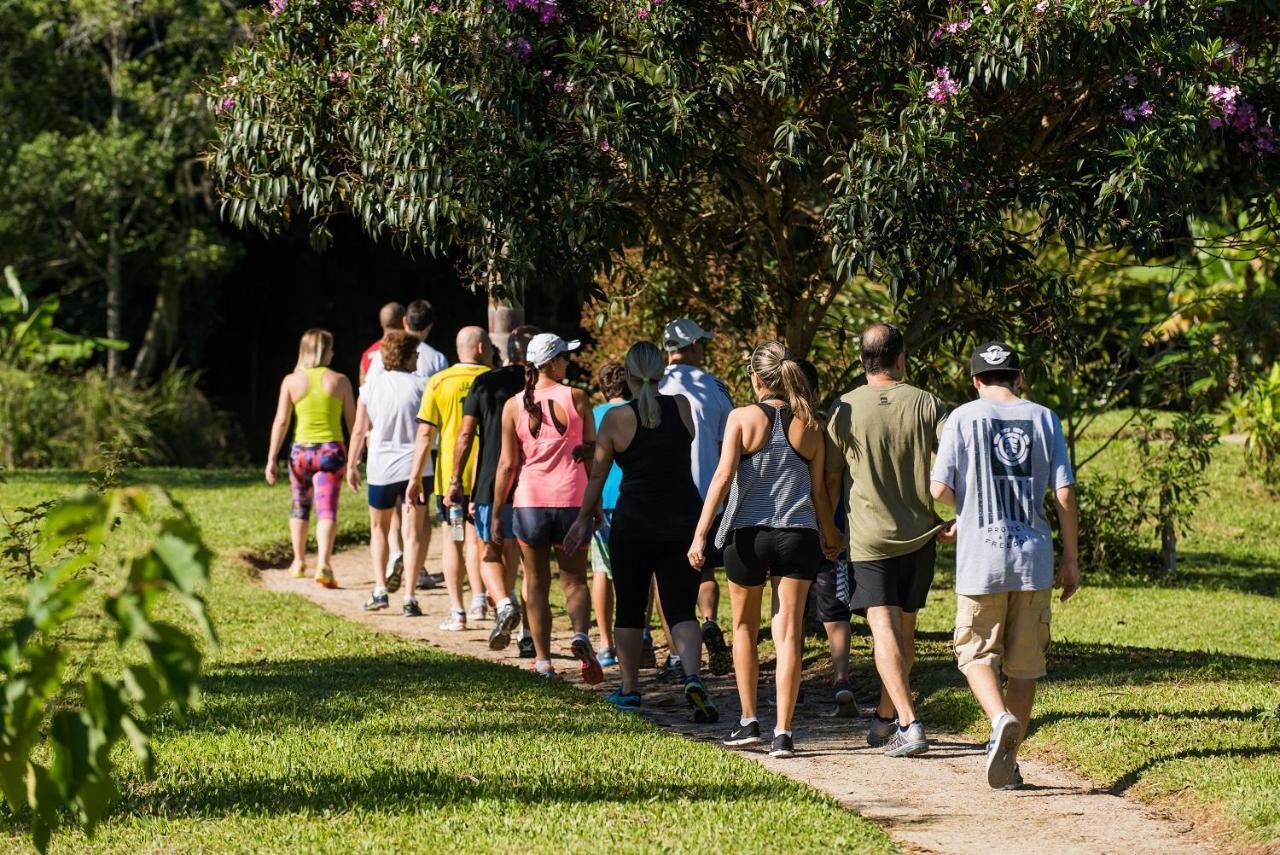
(763, 153)
(28, 336)
(1256, 413)
(76, 720)
(102, 187)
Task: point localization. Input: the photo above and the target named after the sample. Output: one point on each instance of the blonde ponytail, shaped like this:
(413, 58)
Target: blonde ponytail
(779, 373)
(644, 369)
(315, 349)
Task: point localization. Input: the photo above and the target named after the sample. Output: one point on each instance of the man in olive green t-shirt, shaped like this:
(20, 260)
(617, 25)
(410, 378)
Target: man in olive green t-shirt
(879, 440)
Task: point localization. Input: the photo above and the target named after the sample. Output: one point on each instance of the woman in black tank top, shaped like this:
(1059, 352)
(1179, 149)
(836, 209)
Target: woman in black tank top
(657, 511)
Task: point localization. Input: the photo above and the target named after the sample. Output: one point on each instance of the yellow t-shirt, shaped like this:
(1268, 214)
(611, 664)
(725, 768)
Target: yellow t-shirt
(442, 407)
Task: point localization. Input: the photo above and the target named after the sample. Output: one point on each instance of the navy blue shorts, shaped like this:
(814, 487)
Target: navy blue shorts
(384, 497)
(484, 521)
(543, 526)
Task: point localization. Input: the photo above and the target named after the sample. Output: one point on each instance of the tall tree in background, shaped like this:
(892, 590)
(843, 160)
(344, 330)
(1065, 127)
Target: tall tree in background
(101, 123)
(768, 154)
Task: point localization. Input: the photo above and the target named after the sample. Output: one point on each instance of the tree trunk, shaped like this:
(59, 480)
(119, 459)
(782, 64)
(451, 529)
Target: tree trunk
(157, 342)
(503, 318)
(115, 301)
(1168, 540)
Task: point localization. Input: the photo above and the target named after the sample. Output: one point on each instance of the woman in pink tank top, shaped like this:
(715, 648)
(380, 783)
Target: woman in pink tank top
(548, 438)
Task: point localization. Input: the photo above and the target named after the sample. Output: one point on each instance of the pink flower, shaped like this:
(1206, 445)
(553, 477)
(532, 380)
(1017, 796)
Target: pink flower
(986, 8)
(277, 6)
(643, 13)
(942, 87)
(381, 19)
(1042, 7)
(433, 9)
(228, 103)
(415, 38)
(230, 81)
(604, 145)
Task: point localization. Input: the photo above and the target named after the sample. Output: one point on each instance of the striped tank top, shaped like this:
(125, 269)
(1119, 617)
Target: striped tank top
(772, 486)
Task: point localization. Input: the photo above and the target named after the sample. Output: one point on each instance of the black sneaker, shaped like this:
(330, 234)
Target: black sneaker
(504, 623)
(525, 646)
(377, 602)
(782, 746)
(672, 672)
(426, 581)
(411, 609)
(648, 658)
(719, 658)
(744, 735)
(704, 709)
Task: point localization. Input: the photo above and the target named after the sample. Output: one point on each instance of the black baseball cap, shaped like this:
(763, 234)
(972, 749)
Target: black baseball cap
(993, 356)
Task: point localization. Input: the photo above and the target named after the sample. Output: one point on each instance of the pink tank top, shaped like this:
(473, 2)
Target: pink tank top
(549, 476)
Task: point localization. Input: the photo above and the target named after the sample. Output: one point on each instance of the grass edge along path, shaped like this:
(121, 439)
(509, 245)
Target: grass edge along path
(317, 735)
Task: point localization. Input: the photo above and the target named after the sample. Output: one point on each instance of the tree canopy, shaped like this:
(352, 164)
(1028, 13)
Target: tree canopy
(767, 154)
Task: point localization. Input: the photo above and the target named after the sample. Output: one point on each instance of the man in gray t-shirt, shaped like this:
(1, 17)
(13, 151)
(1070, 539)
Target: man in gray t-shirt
(997, 458)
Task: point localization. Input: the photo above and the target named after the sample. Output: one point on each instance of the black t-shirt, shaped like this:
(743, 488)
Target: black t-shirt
(489, 392)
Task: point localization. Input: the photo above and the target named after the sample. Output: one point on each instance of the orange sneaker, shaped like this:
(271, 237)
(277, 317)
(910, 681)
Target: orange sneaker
(324, 578)
(298, 569)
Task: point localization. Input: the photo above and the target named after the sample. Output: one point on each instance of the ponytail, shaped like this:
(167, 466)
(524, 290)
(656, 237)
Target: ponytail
(531, 405)
(644, 369)
(779, 372)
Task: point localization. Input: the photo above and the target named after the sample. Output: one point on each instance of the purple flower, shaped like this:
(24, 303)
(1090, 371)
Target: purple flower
(230, 81)
(381, 19)
(643, 13)
(942, 87)
(1130, 79)
(604, 145)
(1215, 122)
(277, 6)
(986, 8)
(228, 103)
(434, 10)
(1129, 113)
(546, 72)
(1265, 140)
(1145, 109)
(1042, 6)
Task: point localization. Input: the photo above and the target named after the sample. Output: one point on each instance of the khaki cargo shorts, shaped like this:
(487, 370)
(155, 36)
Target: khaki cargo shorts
(1008, 630)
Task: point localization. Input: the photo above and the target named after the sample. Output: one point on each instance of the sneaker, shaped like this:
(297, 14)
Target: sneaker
(377, 602)
(426, 581)
(455, 622)
(783, 747)
(628, 701)
(411, 609)
(843, 693)
(907, 741)
(504, 623)
(298, 569)
(704, 709)
(719, 658)
(880, 729)
(478, 611)
(547, 670)
(648, 658)
(1016, 782)
(590, 668)
(744, 735)
(395, 572)
(1002, 751)
(525, 646)
(607, 656)
(672, 671)
(324, 578)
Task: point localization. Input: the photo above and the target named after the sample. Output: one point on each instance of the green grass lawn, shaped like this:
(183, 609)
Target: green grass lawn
(317, 735)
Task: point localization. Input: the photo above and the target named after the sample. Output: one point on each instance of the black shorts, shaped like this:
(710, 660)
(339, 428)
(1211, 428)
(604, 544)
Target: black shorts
(638, 556)
(540, 527)
(902, 581)
(831, 608)
(754, 554)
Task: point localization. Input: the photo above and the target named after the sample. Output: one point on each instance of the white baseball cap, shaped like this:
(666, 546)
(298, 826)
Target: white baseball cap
(544, 347)
(682, 333)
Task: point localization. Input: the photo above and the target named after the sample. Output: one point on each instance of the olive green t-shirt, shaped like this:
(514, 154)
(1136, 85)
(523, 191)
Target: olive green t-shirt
(881, 438)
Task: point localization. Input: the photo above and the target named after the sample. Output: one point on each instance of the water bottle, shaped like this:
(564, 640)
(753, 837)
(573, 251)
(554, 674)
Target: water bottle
(457, 527)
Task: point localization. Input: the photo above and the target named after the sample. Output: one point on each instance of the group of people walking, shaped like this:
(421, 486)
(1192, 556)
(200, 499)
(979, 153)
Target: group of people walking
(665, 482)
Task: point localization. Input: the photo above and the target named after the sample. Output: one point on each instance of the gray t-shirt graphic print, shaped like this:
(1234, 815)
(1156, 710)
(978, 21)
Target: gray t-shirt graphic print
(1001, 459)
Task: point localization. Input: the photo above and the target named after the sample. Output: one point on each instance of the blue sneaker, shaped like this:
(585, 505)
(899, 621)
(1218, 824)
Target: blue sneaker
(607, 656)
(628, 701)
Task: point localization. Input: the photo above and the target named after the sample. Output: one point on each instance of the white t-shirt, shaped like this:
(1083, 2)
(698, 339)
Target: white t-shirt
(430, 361)
(710, 403)
(1001, 459)
(392, 399)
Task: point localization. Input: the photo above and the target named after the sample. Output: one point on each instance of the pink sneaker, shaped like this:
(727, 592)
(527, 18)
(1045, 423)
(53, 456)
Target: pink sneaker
(455, 622)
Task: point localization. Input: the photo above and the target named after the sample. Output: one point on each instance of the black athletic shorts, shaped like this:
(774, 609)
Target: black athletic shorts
(902, 581)
(752, 555)
(831, 609)
(637, 558)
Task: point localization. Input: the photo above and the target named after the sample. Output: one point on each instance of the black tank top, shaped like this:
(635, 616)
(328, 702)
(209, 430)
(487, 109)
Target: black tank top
(657, 493)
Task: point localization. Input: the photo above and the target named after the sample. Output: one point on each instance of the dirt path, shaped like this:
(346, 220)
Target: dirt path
(935, 803)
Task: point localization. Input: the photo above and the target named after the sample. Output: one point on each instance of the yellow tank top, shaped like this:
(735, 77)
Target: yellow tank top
(318, 414)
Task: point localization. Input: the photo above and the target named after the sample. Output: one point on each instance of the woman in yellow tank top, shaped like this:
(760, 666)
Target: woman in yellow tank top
(320, 400)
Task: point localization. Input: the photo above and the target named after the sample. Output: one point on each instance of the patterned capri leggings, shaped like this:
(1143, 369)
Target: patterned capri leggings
(315, 474)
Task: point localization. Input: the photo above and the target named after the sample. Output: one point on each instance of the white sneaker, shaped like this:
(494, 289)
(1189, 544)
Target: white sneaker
(455, 622)
(1001, 751)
